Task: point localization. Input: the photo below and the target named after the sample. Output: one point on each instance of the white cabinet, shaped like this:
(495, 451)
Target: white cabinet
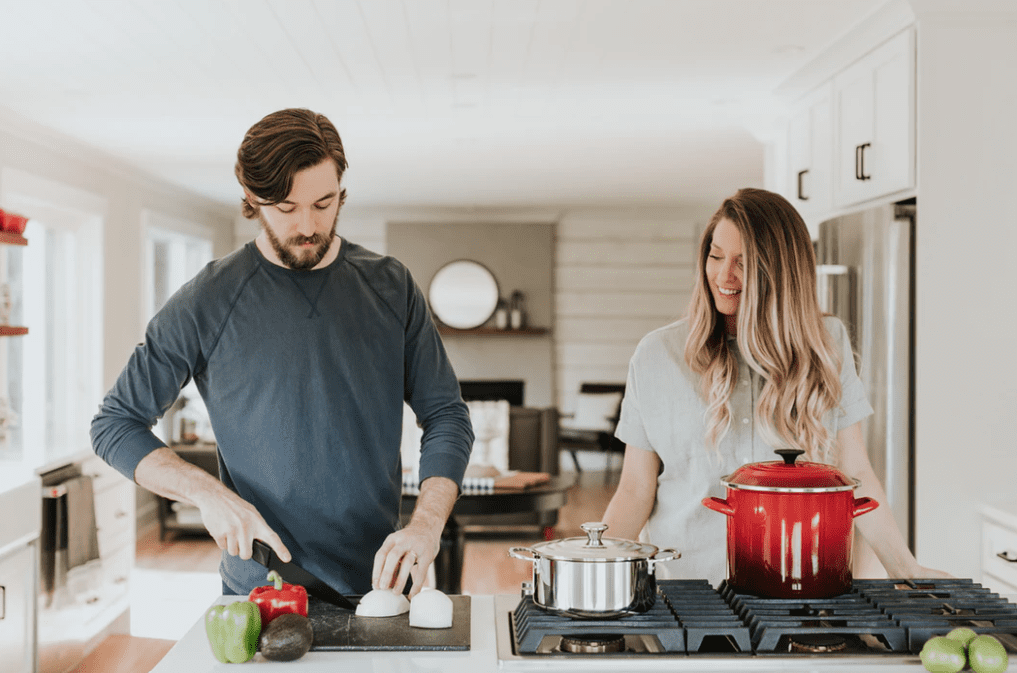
(96, 599)
(115, 524)
(17, 608)
(874, 109)
(810, 154)
(999, 548)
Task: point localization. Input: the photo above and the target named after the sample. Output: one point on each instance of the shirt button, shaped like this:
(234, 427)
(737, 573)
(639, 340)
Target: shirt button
(745, 382)
(745, 421)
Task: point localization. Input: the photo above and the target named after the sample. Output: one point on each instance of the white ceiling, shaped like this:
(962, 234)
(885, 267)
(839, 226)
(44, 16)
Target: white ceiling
(439, 102)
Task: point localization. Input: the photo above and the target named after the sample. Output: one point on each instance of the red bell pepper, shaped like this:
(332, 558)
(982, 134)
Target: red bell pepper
(278, 599)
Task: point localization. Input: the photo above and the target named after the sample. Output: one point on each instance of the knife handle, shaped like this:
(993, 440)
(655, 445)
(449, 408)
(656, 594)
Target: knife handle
(261, 552)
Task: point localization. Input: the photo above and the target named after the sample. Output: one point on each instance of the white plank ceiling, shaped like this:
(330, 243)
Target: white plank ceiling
(440, 102)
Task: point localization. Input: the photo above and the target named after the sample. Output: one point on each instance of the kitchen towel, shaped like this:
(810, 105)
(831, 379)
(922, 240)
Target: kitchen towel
(82, 534)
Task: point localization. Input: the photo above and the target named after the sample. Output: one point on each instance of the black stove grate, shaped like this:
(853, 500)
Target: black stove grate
(709, 622)
(531, 624)
(928, 608)
(876, 617)
(775, 622)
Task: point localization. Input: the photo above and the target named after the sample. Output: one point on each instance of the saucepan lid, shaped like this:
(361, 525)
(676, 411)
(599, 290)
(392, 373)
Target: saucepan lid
(790, 476)
(594, 547)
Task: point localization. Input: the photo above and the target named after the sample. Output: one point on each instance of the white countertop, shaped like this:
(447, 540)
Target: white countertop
(21, 492)
(192, 654)
(1003, 512)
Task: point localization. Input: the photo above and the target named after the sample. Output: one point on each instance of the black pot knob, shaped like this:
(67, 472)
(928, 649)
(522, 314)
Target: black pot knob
(789, 455)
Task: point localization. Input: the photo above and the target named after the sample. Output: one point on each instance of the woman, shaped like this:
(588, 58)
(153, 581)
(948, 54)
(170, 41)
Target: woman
(754, 366)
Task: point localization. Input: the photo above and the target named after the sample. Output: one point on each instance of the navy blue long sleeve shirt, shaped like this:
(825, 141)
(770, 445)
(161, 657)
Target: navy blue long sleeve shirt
(304, 374)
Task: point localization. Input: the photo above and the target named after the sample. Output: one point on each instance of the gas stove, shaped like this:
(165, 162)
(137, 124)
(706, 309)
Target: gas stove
(885, 621)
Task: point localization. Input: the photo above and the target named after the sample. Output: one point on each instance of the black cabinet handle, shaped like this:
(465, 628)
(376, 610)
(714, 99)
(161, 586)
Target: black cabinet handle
(1005, 555)
(801, 196)
(860, 162)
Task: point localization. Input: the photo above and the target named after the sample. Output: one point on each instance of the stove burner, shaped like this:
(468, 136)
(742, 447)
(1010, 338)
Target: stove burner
(816, 643)
(598, 644)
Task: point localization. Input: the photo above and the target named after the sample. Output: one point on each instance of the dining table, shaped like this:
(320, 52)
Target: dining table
(548, 496)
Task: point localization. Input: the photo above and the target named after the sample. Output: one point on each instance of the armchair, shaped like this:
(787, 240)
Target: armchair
(591, 427)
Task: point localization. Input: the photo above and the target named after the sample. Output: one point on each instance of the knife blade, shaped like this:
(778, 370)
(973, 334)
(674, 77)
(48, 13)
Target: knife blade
(294, 574)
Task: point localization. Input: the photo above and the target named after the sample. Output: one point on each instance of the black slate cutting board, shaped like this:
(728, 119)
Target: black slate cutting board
(338, 629)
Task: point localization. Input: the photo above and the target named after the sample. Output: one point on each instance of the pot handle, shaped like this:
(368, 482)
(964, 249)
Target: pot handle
(516, 552)
(863, 505)
(663, 555)
(718, 505)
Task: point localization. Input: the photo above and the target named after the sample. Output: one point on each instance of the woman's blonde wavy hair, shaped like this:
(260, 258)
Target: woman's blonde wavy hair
(780, 329)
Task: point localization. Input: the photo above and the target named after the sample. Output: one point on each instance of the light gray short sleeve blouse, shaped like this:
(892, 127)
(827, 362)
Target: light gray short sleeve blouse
(663, 411)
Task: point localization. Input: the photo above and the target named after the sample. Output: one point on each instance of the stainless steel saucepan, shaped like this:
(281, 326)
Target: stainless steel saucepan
(594, 577)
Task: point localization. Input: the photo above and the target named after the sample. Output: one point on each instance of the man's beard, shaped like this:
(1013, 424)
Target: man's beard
(289, 253)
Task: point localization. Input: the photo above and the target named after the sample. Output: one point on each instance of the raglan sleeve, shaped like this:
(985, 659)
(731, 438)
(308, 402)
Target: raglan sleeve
(432, 391)
(121, 431)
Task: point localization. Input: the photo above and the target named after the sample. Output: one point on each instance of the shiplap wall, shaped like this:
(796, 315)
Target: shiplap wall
(619, 274)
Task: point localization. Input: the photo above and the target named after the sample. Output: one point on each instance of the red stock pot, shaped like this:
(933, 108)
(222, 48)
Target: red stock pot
(790, 526)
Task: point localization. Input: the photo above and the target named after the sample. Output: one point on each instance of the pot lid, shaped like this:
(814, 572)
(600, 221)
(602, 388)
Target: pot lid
(594, 547)
(789, 476)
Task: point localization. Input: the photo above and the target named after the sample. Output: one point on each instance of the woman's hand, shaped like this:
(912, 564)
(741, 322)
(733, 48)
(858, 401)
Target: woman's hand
(923, 573)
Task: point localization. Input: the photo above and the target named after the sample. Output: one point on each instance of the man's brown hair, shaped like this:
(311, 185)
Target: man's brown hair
(280, 145)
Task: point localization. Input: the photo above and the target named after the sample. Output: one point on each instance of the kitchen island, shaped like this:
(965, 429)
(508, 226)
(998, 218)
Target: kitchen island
(192, 654)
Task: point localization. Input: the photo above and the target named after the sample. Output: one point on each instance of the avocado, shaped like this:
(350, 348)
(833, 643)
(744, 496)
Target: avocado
(287, 637)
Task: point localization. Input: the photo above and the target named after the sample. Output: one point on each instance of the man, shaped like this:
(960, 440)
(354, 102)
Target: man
(304, 347)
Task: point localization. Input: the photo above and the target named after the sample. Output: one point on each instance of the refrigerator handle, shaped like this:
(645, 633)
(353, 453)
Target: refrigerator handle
(801, 196)
(826, 274)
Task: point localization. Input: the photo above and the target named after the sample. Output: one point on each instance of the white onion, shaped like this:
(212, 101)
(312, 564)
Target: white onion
(382, 603)
(431, 609)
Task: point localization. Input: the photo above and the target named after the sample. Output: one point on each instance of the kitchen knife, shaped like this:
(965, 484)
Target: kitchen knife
(294, 574)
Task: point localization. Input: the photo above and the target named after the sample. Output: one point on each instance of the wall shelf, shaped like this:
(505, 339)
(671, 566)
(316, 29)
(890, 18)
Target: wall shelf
(492, 331)
(11, 330)
(9, 238)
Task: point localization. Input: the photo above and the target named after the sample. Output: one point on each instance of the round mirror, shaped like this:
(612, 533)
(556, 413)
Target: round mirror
(463, 294)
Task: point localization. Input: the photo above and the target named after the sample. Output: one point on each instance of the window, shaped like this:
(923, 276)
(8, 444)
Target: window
(53, 376)
(175, 250)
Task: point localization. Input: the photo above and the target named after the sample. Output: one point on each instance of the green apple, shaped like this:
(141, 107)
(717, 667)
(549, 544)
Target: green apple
(987, 655)
(963, 634)
(943, 655)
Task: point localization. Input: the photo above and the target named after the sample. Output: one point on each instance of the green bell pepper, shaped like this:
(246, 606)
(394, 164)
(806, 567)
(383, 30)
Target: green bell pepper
(233, 631)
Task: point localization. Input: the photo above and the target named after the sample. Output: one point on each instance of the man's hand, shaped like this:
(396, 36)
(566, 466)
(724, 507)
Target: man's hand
(233, 522)
(405, 553)
(408, 552)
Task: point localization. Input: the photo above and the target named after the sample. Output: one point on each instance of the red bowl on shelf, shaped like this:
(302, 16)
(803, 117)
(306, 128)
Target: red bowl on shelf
(15, 224)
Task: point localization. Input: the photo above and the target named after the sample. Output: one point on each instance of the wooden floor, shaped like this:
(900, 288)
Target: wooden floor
(487, 570)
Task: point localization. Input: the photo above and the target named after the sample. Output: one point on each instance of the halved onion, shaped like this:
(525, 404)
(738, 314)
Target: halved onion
(431, 609)
(382, 603)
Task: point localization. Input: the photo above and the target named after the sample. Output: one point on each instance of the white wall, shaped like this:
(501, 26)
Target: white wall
(29, 148)
(966, 418)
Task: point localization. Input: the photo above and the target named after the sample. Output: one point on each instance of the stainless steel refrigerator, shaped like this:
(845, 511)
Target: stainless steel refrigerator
(865, 276)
